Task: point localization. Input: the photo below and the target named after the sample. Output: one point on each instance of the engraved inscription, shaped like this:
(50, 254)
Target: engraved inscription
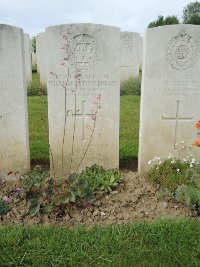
(85, 51)
(126, 42)
(182, 51)
(177, 118)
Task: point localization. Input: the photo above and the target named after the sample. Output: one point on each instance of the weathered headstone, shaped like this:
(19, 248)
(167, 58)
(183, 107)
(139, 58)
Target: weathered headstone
(34, 59)
(14, 140)
(140, 50)
(28, 65)
(83, 63)
(129, 55)
(170, 90)
(41, 49)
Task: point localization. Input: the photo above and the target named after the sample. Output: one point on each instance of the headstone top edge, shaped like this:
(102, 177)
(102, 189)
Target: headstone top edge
(79, 24)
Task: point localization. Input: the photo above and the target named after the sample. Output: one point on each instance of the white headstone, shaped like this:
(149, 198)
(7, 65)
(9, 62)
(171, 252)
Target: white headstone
(28, 65)
(14, 139)
(129, 55)
(140, 50)
(170, 91)
(83, 63)
(34, 59)
(41, 49)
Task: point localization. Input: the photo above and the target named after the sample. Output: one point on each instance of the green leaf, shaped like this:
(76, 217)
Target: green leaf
(64, 199)
(34, 206)
(72, 197)
(112, 179)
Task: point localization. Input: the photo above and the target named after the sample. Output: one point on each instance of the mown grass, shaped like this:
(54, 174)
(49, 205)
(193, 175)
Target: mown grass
(129, 127)
(38, 126)
(163, 243)
(38, 129)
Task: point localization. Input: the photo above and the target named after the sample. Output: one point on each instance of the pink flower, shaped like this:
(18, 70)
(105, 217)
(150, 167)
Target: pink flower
(93, 117)
(18, 190)
(98, 96)
(5, 199)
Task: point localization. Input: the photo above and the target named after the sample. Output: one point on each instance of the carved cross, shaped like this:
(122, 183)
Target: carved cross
(177, 119)
(83, 116)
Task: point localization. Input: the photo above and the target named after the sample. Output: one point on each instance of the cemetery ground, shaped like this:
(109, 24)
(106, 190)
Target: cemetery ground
(110, 237)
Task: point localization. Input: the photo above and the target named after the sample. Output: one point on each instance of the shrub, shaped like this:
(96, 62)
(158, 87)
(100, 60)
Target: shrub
(178, 178)
(36, 89)
(131, 86)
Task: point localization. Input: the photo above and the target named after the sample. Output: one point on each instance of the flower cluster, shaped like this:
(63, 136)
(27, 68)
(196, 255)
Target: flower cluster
(197, 142)
(173, 157)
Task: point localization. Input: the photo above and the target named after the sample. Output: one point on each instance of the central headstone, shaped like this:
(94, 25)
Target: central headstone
(83, 63)
(170, 91)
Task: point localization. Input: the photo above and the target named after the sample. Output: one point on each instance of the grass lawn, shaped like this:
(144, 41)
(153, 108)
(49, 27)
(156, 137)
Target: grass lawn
(38, 127)
(164, 243)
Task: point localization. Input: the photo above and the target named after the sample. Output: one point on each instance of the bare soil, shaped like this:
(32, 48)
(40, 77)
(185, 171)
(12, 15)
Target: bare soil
(135, 199)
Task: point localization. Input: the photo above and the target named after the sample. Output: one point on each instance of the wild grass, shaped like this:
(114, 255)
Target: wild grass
(131, 86)
(36, 89)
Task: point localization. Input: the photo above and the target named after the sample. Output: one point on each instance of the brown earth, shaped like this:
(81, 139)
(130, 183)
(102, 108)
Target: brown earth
(134, 200)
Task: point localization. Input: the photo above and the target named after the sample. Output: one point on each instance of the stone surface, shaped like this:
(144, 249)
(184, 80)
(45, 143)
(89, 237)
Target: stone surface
(28, 65)
(34, 59)
(83, 66)
(129, 55)
(140, 50)
(14, 139)
(170, 91)
(41, 50)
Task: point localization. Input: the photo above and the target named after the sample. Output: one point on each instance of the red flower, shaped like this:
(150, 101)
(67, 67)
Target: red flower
(198, 125)
(196, 143)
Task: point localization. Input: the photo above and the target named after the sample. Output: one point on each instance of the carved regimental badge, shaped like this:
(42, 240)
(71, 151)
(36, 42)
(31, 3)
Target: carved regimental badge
(86, 51)
(127, 41)
(182, 51)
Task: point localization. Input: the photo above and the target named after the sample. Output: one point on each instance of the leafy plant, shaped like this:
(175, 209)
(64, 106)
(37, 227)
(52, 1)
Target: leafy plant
(172, 173)
(189, 195)
(100, 179)
(179, 177)
(45, 194)
(4, 208)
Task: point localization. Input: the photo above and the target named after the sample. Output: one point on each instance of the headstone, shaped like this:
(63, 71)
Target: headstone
(170, 91)
(129, 55)
(28, 65)
(41, 58)
(34, 59)
(140, 50)
(14, 139)
(83, 64)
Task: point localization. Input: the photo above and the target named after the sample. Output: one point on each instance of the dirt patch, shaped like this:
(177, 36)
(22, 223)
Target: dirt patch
(129, 164)
(134, 200)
